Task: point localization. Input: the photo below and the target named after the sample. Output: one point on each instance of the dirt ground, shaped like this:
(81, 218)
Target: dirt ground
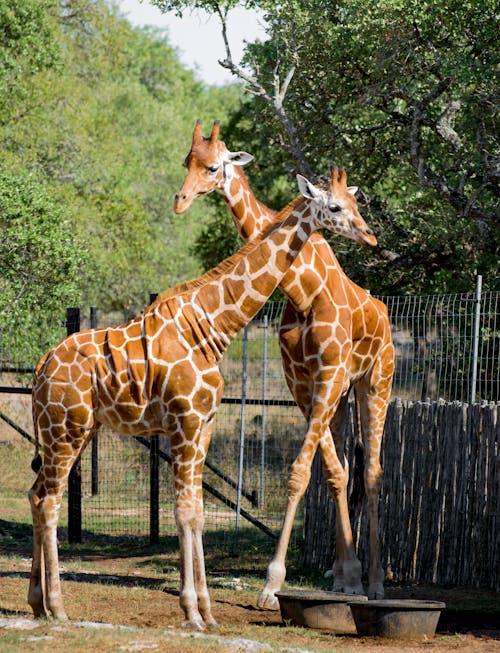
(139, 594)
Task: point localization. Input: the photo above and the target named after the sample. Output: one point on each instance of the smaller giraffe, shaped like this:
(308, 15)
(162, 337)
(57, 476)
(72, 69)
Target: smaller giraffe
(159, 373)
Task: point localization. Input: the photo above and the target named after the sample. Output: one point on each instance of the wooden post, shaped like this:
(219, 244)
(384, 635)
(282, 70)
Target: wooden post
(75, 475)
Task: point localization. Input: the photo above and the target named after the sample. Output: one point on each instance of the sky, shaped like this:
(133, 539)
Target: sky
(197, 35)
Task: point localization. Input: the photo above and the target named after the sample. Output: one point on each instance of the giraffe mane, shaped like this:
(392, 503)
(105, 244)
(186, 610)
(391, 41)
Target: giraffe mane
(229, 263)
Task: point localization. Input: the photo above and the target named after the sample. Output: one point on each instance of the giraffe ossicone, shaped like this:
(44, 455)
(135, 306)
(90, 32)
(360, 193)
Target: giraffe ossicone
(334, 336)
(157, 374)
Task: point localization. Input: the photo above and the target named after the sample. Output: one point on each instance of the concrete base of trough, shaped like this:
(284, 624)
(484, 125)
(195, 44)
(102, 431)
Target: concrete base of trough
(397, 618)
(323, 610)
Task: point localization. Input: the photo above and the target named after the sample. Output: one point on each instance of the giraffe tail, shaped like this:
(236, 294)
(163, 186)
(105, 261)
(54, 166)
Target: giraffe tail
(36, 463)
(358, 482)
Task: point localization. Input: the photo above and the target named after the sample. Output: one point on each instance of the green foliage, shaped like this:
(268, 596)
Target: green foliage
(27, 46)
(37, 247)
(39, 266)
(99, 114)
(403, 95)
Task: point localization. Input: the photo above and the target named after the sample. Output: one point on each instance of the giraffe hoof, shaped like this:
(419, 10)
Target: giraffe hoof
(376, 592)
(193, 624)
(268, 601)
(59, 615)
(357, 589)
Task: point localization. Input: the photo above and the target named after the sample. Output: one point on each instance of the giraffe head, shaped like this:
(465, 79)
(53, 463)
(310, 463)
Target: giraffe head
(208, 164)
(336, 208)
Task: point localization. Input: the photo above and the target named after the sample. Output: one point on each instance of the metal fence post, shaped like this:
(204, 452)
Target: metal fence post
(154, 487)
(75, 475)
(154, 478)
(94, 461)
(242, 437)
(263, 423)
(475, 342)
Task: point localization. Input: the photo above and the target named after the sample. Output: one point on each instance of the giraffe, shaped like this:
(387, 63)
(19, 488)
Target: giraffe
(159, 373)
(333, 336)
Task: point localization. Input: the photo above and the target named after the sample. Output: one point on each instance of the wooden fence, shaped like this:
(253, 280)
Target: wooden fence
(440, 508)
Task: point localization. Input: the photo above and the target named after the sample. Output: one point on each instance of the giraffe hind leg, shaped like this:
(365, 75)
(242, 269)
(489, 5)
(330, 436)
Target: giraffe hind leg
(45, 497)
(44, 594)
(346, 569)
(37, 580)
(374, 394)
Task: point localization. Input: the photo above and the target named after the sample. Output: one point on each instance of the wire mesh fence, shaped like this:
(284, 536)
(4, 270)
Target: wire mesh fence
(447, 347)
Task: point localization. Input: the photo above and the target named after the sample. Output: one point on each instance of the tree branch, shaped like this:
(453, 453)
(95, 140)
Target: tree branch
(274, 101)
(444, 124)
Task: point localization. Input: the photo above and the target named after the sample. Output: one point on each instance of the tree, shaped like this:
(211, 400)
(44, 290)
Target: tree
(100, 114)
(403, 95)
(39, 266)
(27, 46)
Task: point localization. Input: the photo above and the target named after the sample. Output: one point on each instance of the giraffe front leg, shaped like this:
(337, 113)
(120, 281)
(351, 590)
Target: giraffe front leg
(200, 578)
(337, 432)
(298, 481)
(376, 573)
(187, 465)
(188, 598)
(373, 484)
(204, 605)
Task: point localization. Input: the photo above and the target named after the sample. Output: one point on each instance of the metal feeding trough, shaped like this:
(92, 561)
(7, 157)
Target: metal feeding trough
(320, 609)
(396, 618)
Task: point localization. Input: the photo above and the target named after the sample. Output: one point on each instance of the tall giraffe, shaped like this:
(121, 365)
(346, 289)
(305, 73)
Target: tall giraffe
(333, 336)
(159, 373)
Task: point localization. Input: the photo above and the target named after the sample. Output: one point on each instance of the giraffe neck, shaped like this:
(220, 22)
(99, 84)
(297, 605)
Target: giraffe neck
(221, 302)
(306, 278)
(251, 217)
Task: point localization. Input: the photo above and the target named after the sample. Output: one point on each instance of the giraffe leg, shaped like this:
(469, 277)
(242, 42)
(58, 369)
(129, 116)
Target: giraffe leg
(337, 431)
(37, 580)
(300, 474)
(187, 465)
(276, 571)
(373, 395)
(44, 594)
(62, 447)
(200, 578)
(346, 568)
(204, 605)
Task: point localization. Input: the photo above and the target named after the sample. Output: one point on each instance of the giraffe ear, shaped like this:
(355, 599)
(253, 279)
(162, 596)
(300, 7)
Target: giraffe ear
(352, 189)
(306, 188)
(238, 158)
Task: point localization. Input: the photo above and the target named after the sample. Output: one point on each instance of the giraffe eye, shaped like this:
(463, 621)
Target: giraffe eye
(333, 208)
(213, 168)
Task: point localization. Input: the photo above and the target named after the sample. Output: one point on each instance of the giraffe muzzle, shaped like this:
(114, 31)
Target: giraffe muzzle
(182, 202)
(366, 237)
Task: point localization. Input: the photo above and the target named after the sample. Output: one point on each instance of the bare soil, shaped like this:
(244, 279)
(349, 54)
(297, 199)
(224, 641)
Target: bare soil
(141, 592)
